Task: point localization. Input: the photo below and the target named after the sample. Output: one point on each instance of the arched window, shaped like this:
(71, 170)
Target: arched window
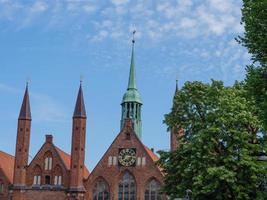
(37, 175)
(48, 161)
(58, 176)
(101, 190)
(127, 187)
(1, 187)
(152, 191)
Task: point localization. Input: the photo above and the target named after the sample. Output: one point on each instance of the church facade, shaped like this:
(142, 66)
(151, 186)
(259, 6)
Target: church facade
(127, 171)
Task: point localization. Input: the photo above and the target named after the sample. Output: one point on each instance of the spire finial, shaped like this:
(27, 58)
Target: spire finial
(133, 40)
(81, 79)
(27, 81)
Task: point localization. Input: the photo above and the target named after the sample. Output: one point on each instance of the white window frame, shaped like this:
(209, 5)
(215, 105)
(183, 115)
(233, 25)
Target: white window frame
(37, 180)
(143, 161)
(110, 160)
(58, 180)
(138, 161)
(48, 163)
(114, 160)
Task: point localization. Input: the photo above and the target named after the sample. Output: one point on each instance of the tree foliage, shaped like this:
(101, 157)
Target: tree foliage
(254, 19)
(216, 158)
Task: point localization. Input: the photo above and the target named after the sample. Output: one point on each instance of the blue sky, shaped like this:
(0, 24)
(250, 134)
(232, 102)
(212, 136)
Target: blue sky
(53, 42)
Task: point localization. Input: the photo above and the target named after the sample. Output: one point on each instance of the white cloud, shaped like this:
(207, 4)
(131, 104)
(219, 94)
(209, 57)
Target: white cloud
(119, 2)
(38, 7)
(89, 8)
(188, 23)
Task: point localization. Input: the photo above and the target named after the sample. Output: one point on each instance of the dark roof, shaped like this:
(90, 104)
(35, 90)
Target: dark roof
(25, 111)
(79, 111)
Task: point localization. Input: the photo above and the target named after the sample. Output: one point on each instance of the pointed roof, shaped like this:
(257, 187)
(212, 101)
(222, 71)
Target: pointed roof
(25, 111)
(66, 158)
(7, 163)
(79, 111)
(134, 142)
(131, 82)
(132, 94)
(176, 89)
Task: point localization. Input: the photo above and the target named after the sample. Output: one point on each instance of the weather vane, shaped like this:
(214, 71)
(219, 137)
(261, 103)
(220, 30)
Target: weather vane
(133, 36)
(81, 78)
(27, 81)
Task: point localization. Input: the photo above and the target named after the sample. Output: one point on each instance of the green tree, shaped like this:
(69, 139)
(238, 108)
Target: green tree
(254, 19)
(216, 158)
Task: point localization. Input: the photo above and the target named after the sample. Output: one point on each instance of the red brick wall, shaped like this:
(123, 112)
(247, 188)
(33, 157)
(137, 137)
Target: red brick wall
(39, 161)
(4, 195)
(45, 195)
(113, 174)
(77, 152)
(22, 151)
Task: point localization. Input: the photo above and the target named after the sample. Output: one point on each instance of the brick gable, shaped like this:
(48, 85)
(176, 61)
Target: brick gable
(112, 172)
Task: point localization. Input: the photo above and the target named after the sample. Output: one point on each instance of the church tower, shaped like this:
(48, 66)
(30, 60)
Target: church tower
(78, 147)
(22, 147)
(132, 102)
(174, 135)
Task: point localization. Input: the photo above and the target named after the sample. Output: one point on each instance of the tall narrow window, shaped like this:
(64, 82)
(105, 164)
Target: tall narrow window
(1, 187)
(48, 161)
(37, 175)
(101, 191)
(58, 175)
(127, 187)
(58, 180)
(37, 180)
(152, 191)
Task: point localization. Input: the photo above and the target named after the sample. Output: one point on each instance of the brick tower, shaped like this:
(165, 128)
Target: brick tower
(77, 148)
(174, 133)
(22, 147)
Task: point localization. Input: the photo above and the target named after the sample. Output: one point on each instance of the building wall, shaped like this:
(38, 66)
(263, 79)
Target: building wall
(112, 174)
(45, 195)
(39, 161)
(3, 179)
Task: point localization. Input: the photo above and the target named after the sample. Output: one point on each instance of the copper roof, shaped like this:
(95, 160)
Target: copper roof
(66, 158)
(7, 165)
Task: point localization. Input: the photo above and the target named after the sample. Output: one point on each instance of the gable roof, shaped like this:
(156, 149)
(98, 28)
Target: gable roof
(151, 154)
(7, 162)
(66, 158)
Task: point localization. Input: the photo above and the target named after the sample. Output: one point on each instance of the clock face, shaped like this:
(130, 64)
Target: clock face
(127, 157)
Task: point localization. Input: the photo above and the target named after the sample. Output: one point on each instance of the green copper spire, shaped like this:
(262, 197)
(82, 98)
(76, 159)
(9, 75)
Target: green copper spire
(131, 101)
(131, 82)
